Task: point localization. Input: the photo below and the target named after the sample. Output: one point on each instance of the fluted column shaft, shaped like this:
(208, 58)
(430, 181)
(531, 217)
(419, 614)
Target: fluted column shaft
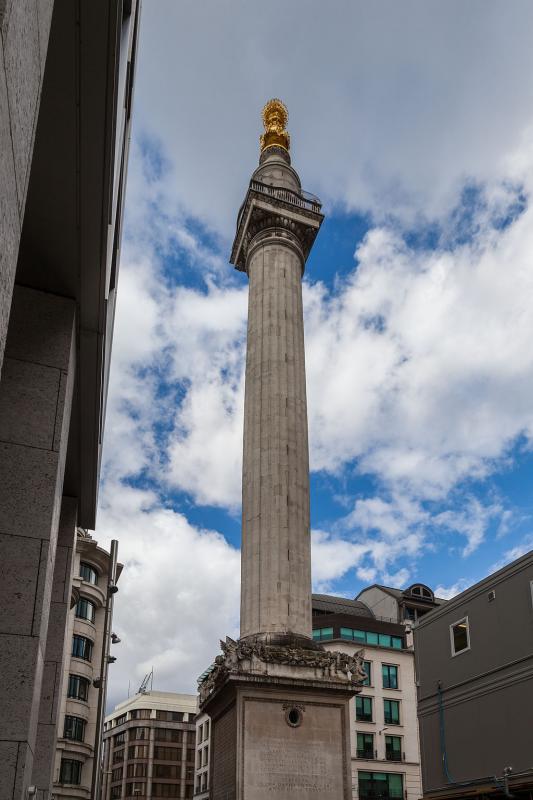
(276, 557)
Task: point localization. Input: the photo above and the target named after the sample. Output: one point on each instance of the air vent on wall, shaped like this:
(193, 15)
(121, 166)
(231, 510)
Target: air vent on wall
(492, 595)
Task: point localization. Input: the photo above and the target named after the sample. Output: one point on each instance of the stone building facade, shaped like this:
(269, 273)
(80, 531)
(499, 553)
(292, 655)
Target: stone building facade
(150, 747)
(385, 751)
(66, 84)
(80, 697)
(203, 757)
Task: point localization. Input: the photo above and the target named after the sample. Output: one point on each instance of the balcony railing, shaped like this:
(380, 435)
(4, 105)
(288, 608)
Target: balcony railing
(367, 754)
(302, 200)
(394, 755)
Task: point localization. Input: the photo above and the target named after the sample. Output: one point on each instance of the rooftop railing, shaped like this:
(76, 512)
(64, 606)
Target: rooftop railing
(300, 199)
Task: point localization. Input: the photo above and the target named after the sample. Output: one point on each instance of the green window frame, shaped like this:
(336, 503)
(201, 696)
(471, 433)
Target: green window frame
(366, 637)
(364, 710)
(365, 745)
(390, 676)
(380, 785)
(367, 666)
(321, 634)
(393, 748)
(391, 709)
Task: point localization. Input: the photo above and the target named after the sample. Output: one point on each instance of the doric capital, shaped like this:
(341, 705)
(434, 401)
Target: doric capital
(275, 208)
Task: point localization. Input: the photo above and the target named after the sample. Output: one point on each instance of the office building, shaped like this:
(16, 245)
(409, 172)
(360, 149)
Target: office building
(83, 689)
(385, 757)
(150, 747)
(201, 784)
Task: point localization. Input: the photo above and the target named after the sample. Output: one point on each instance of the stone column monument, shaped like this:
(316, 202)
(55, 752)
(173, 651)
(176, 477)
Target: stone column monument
(277, 700)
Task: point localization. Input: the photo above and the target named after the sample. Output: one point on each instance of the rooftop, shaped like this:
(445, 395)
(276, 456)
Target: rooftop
(340, 605)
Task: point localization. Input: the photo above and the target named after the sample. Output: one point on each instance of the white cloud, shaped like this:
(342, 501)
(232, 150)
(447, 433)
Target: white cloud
(392, 106)
(178, 593)
(447, 592)
(419, 363)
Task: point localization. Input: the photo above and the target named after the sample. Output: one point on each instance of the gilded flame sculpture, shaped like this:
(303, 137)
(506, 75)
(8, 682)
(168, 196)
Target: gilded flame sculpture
(275, 117)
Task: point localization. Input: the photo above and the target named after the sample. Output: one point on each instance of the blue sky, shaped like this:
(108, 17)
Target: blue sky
(414, 126)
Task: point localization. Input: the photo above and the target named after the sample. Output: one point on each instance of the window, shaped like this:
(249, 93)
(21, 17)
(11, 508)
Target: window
(390, 676)
(74, 728)
(167, 754)
(88, 573)
(409, 613)
(166, 771)
(119, 738)
(116, 774)
(321, 634)
(116, 792)
(169, 716)
(141, 713)
(85, 609)
(190, 755)
(374, 785)
(121, 719)
(139, 733)
(138, 751)
(78, 687)
(70, 771)
(370, 637)
(391, 712)
(460, 636)
(136, 789)
(166, 790)
(118, 755)
(393, 748)
(137, 770)
(365, 745)
(82, 647)
(168, 735)
(363, 708)
(367, 666)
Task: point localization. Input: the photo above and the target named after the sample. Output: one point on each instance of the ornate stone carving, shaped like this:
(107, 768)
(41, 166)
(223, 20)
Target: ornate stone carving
(242, 657)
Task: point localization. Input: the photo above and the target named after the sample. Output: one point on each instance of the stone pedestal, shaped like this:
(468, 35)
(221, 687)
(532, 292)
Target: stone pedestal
(280, 721)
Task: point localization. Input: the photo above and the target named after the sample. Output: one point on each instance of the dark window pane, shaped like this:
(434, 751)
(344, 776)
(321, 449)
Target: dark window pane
(85, 609)
(367, 666)
(390, 676)
(78, 687)
(392, 712)
(88, 573)
(74, 728)
(363, 708)
(82, 647)
(70, 771)
(460, 636)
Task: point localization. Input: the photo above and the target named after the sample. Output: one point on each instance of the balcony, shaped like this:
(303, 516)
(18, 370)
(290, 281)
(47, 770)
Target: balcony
(394, 755)
(302, 199)
(367, 754)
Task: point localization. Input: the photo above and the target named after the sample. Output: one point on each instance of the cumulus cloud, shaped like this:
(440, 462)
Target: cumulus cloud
(392, 106)
(178, 593)
(417, 117)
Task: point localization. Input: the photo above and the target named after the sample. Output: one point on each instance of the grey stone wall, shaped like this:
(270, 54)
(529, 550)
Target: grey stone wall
(35, 403)
(24, 29)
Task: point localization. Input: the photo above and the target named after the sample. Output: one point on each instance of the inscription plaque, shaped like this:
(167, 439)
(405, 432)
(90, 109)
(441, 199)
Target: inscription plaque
(285, 762)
